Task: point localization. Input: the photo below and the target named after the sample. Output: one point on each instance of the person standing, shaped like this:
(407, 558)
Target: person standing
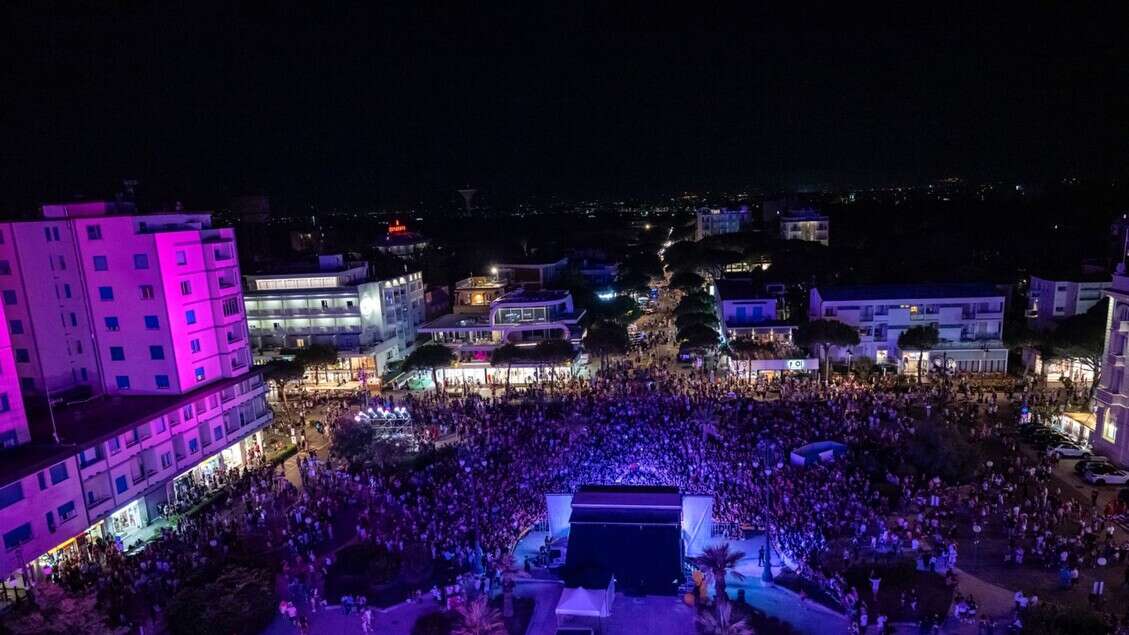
(875, 582)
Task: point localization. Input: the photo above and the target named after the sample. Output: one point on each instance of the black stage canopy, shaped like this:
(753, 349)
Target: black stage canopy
(633, 533)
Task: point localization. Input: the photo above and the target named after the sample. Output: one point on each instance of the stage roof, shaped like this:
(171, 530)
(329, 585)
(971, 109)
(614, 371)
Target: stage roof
(622, 496)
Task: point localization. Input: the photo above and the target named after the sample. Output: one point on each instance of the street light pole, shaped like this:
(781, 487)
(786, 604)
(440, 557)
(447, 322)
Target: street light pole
(767, 457)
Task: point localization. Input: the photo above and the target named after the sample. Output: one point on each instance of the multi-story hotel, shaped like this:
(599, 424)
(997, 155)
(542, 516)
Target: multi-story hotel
(128, 336)
(520, 317)
(1053, 297)
(748, 311)
(969, 318)
(336, 303)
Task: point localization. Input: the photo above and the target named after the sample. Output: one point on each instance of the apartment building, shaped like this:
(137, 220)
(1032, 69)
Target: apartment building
(531, 274)
(969, 318)
(749, 311)
(715, 221)
(1111, 399)
(805, 224)
(133, 326)
(1052, 297)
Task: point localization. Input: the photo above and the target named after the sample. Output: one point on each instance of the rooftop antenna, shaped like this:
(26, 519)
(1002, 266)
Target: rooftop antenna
(468, 196)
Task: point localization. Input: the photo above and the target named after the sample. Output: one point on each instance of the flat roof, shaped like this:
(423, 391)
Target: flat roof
(910, 291)
(626, 496)
(1073, 275)
(521, 295)
(730, 290)
(456, 320)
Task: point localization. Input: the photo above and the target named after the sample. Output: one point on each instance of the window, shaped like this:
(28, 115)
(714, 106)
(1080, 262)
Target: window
(1109, 428)
(193, 446)
(195, 345)
(112, 324)
(185, 287)
(114, 445)
(231, 306)
(156, 352)
(152, 323)
(181, 258)
(94, 232)
(66, 290)
(27, 383)
(121, 484)
(50, 522)
(100, 263)
(62, 263)
(17, 536)
(74, 319)
(59, 473)
(66, 511)
(16, 327)
(166, 460)
(187, 412)
(117, 353)
(106, 294)
(190, 316)
(5, 268)
(9, 297)
(146, 291)
(217, 432)
(5, 403)
(122, 381)
(162, 381)
(82, 373)
(22, 356)
(42, 481)
(9, 439)
(140, 261)
(199, 373)
(11, 494)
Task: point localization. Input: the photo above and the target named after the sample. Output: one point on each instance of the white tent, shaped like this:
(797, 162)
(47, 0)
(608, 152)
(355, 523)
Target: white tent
(581, 602)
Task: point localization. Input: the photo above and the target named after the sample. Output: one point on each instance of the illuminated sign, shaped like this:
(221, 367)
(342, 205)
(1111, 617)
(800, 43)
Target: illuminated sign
(795, 364)
(397, 227)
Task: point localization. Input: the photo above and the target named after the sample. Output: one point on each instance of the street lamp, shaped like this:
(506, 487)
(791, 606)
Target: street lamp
(768, 458)
(494, 272)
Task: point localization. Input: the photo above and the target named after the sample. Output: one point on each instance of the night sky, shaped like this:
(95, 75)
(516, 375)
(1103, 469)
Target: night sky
(390, 106)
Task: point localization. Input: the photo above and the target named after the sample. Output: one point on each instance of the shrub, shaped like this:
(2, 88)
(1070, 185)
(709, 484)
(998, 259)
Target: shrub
(434, 623)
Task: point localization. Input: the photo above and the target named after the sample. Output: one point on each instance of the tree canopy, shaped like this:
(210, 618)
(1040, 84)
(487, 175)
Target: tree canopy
(919, 338)
(686, 280)
(698, 335)
(606, 338)
(697, 317)
(821, 335)
(430, 357)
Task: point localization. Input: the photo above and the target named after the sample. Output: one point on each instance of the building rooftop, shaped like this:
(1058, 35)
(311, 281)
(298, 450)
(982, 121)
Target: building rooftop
(729, 290)
(1075, 274)
(522, 296)
(532, 261)
(910, 291)
(480, 282)
(84, 424)
(456, 320)
(804, 214)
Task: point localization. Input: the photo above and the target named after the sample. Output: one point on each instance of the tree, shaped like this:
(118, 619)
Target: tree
(684, 255)
(698, 335)
(58, 613)
(317, 357)
(606, 338)
(1051, 619)
(686, 280)
(720, 621)
(686, 319)
(553, 353)
(694, 303)
(1082, 338)
(477, 618)
(239, 600)
(506, 354)
(717, 560)
(747, 349)
(940, 450)
(919, 338)
(632, 281)
(282, 372)
(821, 335)
(430, 357)
(357, 443)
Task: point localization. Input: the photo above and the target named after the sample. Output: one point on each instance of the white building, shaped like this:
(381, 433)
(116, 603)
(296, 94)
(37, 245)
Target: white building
(1055, 297)
(968, 316)
(748, 311)
(712, 222)
(1112, 395)
(805, 224)
(335, 304)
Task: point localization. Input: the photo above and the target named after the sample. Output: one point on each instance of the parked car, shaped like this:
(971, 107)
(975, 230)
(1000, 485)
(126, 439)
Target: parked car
(1068, 450)
(1105, 474)
(1043, 442)
(1082, 465)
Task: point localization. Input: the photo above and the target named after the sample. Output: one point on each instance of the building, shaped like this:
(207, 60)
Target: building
(475, 294)
(1052, 297)
(336, 303)
(748, 311)
(805, 224)
(598, 273)
(436, 300)
(401, 242)
(968, 316)
(520, 317)
(140, 318)
(715, 221)
(532, 274)
(1111, 407)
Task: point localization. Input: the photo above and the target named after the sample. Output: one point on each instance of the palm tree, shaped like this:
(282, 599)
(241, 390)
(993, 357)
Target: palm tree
(718, 560)
(476, 618)
(721, 622)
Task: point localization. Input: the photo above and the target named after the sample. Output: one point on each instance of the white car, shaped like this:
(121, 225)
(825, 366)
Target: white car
(1068, 451)
(1105, 475)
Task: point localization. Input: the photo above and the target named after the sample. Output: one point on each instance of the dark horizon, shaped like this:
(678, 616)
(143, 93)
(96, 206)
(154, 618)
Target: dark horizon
(393, 106)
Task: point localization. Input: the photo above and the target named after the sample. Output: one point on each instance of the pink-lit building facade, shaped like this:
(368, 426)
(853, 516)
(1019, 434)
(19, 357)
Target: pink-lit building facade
(133, 327)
